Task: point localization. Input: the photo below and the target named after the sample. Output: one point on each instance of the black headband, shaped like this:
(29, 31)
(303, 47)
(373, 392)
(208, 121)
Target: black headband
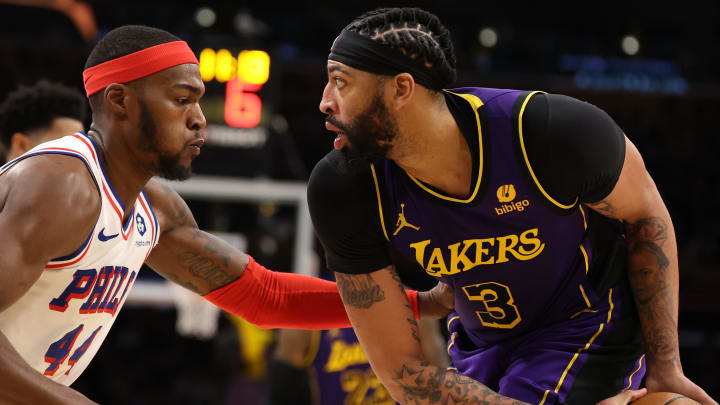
(365, 54)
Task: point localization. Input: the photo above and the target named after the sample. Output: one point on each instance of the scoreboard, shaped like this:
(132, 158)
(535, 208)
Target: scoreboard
(244, 75)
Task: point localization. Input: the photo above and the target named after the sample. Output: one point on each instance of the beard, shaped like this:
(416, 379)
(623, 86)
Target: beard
(369, 134)
(168, 165)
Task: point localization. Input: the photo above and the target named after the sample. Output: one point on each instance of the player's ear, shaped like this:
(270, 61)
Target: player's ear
(115, 96)
(20, 143)
(403, 88)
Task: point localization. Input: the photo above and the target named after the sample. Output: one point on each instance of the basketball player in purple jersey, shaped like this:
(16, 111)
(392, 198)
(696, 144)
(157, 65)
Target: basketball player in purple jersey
(534, 208)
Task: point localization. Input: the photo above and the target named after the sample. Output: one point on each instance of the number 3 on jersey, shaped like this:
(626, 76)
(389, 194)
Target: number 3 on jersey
(497, 301)
(59, 351)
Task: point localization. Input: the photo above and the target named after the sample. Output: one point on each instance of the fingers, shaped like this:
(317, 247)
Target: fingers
(704, 398)
(624, 397)
(636, 394)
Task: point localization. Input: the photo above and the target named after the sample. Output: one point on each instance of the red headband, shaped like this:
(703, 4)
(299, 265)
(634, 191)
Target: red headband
(136, 65)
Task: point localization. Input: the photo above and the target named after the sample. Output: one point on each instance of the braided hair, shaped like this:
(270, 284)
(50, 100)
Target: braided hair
(416, 32)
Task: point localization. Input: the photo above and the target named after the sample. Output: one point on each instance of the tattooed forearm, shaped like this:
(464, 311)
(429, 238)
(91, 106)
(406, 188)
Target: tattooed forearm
(413, 324)
(653, 277)
(395, 276)
(359, 291)
(414, 329)
(427, 384)
(219, 249)
(188, 285)
(202, 267)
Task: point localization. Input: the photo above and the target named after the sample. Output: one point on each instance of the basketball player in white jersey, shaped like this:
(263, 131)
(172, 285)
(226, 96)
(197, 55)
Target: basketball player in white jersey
(80, 215)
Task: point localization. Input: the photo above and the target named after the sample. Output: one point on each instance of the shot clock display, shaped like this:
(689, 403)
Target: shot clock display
(244, 76)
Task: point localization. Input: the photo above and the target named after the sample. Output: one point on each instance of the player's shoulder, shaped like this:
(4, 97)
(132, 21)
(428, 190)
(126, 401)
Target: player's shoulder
(560, 118)
(332, 183)
(168, 205)
(332, 173)
(161, 196)
(46, 186)
(48, 174)
(562, 106)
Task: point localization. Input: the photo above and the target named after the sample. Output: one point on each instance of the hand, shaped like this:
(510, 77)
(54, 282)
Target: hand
(678, 383)
(624, 397)
(436, 303)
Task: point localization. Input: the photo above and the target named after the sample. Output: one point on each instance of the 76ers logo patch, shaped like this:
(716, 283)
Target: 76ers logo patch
(140, 223)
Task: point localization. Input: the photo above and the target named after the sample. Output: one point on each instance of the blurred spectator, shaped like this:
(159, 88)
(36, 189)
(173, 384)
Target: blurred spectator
(39, 113)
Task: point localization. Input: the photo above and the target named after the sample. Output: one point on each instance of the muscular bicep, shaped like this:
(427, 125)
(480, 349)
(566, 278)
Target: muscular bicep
(635, 195)
(50, 207)
(574, 148)
(195, 259)
(382, 319)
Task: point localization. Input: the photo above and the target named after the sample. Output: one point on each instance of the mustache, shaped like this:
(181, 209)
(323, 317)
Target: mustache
(334, 121)
(198, 136)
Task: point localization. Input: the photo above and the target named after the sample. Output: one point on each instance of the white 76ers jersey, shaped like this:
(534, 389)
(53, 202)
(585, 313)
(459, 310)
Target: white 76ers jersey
(61, 321)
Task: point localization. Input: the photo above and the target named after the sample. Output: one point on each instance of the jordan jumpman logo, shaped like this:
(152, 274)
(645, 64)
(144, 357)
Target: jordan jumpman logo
(402, 222)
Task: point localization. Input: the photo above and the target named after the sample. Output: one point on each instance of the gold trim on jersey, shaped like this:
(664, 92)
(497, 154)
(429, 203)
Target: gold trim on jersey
(634, 372)
(527, 161)
(587, 267)
(587, 301)
(583, 215)
(475, 103)
(451, 320)
(377, 191)
(577, 353)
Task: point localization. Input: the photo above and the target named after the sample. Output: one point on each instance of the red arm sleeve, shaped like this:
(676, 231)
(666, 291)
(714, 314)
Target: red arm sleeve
(272, 299)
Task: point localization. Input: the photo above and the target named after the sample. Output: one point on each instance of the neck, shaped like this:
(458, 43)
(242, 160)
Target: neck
(123, 169)
(431, 148)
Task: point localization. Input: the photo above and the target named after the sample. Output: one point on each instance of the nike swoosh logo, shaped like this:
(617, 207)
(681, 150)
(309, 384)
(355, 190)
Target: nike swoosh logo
(104, 238)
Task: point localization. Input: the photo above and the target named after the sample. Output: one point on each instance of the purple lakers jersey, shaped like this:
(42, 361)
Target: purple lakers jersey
(516, 258)
(342, 371)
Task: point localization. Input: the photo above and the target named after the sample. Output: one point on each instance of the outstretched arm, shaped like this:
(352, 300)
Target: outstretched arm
(653, 272)
(383, 321)
(232, 280)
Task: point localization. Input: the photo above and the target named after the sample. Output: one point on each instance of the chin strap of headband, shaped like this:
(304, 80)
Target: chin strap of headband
(136, 65)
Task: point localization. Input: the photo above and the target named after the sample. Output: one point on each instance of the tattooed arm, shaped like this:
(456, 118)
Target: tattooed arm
(385, 326)
(233, 281)
(653, 272)
(186, 255)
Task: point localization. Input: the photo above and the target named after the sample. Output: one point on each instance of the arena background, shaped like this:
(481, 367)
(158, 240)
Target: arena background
(653, 66)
